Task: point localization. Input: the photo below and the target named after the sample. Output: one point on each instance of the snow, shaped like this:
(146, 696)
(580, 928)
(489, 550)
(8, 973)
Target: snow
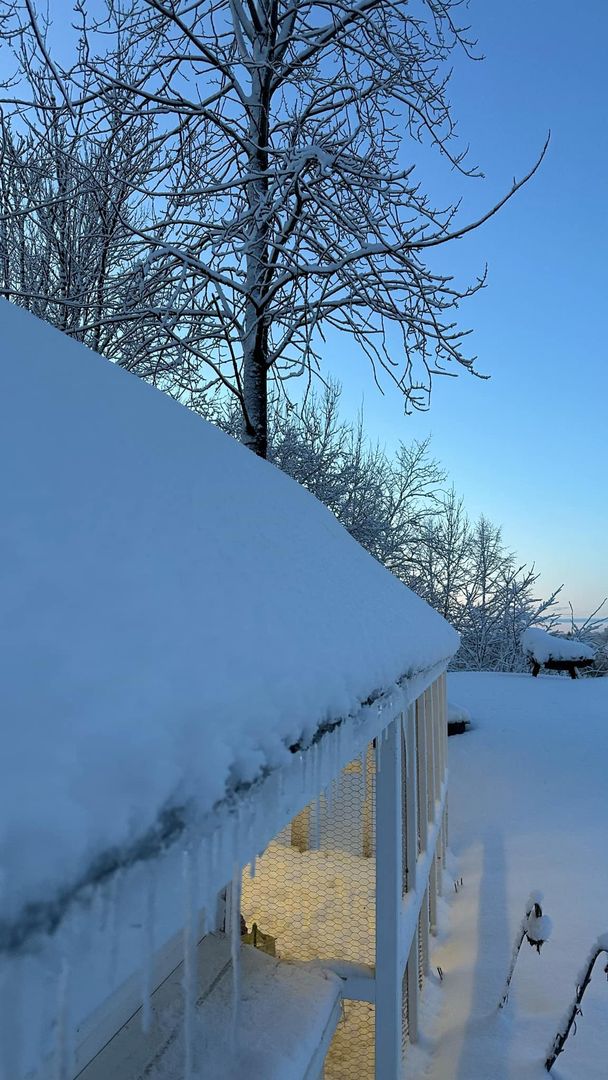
(542, 646)
(457, 714)
(284, 1013)
(528, 808)
(538, 928)
(177, 614)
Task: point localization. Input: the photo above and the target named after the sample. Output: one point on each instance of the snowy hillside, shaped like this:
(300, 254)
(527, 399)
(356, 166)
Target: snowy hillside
(177, 612)
(528, 811)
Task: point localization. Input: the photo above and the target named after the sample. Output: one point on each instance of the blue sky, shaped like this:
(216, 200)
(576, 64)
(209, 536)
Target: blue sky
(529, 446)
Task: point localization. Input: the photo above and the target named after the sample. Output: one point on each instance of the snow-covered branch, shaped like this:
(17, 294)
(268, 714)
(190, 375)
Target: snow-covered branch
(275, 170)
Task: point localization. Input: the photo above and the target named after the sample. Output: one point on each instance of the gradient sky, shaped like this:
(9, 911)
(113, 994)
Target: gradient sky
(528, 447)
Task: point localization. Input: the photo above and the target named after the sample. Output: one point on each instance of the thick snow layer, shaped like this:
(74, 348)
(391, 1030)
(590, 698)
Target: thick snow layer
(176, 612)
(542, 646)
(528, 809)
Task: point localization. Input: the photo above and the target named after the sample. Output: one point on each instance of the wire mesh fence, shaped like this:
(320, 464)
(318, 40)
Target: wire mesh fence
(313, 897)
(313, 894)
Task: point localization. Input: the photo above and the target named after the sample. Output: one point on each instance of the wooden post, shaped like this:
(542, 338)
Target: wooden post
(411, 797)
(437, 736)
(430, 752)
(423, 795)
(433, 896)
(432, 772)
(388, 905)
(424, 933)
(413, 990)
(368, 802)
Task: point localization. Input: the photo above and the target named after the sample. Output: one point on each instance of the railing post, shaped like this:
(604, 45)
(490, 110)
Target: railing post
(430, 752)
(388, 904)
(413, 990)
(411, 797)
(424, 933)
(423, 794)
(433, 896)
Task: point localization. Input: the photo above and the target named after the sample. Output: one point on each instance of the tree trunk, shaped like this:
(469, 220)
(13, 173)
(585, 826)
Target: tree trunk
(255, 345)
(255, 389)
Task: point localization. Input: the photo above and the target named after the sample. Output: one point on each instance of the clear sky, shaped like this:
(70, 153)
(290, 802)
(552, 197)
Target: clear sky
(529, 447)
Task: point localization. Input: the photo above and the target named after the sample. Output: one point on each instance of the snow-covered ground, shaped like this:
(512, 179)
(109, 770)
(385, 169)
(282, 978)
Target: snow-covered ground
(528, 811)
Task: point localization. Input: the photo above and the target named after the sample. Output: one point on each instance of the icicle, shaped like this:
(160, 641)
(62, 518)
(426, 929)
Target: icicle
(100, 908)
(204, 872)
(235, 949)
(252, 867)
(337, 755)
(364, 774)
(305, 772)
(148, 946)
(115, 902)
(62, 1043)
(329, 797)
(236, 836)
(316, 840)
(213, 849)
(341, 747)
(189, 984)
(11, 1020)
(249, 826)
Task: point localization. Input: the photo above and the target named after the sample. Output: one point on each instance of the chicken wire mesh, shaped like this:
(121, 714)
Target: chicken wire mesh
(312, 896)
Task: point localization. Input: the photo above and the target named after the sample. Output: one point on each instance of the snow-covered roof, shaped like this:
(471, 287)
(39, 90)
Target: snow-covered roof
(176, 612)
(542, 646)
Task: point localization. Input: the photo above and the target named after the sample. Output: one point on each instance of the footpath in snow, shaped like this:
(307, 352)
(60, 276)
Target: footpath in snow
(528, 811)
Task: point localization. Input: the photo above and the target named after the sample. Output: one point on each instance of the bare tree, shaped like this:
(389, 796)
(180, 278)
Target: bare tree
(441, 564)
(593, 630)
(68, 211)
(284, 206)
(497, 604)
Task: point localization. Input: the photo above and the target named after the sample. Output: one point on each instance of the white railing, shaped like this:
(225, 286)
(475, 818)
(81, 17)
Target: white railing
(411, 837)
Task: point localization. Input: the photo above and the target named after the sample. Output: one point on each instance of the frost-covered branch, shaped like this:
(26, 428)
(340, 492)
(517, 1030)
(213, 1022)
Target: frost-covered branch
(276, 171)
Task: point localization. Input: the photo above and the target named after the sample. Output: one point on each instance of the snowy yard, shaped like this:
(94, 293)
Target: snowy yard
(528, 810)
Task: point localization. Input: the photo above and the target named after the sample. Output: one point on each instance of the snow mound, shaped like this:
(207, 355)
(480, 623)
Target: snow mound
(542, 646)
(177, 613)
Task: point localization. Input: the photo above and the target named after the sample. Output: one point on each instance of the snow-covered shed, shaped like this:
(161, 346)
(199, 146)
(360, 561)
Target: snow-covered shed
(199, 665)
